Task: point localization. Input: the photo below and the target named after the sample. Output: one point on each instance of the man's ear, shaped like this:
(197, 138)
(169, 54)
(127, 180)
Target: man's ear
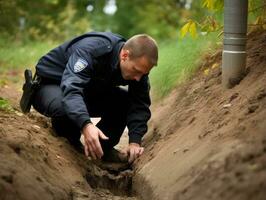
(124, 54)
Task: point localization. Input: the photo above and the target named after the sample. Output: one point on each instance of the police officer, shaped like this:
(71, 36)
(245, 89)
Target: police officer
(82, 78)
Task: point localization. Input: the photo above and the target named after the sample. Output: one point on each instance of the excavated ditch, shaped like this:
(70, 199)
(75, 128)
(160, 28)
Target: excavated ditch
(115, 177)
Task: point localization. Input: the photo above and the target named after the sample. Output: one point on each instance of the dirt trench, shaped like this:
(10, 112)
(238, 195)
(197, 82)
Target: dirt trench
(36, 162)
(116, 178)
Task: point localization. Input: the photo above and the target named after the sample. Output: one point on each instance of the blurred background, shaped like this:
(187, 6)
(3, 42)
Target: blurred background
(184, 29)
(61, 19)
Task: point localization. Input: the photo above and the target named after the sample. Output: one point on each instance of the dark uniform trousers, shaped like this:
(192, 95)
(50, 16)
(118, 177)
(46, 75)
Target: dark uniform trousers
(109, 103)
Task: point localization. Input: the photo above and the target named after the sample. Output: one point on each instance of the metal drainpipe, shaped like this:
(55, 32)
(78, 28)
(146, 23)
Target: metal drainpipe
(234, 50)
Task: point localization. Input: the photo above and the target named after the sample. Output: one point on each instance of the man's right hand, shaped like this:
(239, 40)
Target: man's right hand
(92, 143)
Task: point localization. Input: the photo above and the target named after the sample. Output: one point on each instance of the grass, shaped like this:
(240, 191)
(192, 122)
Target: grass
(177, 62)
(16, 56)
(5, 105)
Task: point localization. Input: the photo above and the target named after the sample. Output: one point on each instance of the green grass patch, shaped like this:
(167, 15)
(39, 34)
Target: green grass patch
(15, 56)
(177, 62)
(19, 55)
(5, 105)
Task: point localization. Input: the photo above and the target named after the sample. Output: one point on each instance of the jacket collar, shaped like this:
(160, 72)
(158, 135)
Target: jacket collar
(115, 55)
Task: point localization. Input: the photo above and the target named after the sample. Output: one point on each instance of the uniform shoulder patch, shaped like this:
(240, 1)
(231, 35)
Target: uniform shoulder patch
(80, 65)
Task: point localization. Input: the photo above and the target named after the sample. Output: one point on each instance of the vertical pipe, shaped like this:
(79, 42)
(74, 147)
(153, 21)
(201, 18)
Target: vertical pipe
(234, 50)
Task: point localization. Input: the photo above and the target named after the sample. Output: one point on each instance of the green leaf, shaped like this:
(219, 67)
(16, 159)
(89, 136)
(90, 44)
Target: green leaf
(218, 5)
(189, 27)
(193, 30)
(209, 4)
(184, 29)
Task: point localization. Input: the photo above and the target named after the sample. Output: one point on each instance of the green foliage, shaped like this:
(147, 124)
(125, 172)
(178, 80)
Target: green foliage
(208, 4)
(215, 5)
(54, 19)
(208, 23)
(16, 56)
(8, 16)
(212, 23)
(138, 16)
(20, 55)
(189, 27)
(98, 19)
(177, 62)
(125, 22)
(159, 19)
(257, 15)
(5, 105)
(62, 19)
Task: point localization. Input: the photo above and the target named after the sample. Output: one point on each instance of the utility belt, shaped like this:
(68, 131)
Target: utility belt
(29, 87)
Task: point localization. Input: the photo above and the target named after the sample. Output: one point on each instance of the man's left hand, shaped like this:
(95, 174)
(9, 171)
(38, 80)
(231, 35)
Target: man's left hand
(134, 150)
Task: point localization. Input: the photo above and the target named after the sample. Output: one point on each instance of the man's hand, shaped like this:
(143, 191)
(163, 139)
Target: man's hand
(92, 143)
(134, 151)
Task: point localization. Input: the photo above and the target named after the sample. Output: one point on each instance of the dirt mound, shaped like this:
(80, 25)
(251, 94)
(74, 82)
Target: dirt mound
(207, 142)
(36, 164)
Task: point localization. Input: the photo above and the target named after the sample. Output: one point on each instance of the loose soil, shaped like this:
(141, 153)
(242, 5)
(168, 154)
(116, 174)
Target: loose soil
(204, 142)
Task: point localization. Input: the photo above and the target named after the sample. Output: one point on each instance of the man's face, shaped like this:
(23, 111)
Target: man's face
(133, 69)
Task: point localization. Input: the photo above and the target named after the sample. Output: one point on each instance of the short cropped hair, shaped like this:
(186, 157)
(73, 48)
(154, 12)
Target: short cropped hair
(142, 45)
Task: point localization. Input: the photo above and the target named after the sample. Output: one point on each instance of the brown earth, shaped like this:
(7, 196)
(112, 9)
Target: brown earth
(204, 143)
(36, 164)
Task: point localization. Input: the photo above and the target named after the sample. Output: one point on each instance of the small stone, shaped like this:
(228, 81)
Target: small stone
(227, 105)
(36, 127)
(215, 65)
(19, 113)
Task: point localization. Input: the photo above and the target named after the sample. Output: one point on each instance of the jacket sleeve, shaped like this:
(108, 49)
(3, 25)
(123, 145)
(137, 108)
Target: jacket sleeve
(139, 112)
(76, 76)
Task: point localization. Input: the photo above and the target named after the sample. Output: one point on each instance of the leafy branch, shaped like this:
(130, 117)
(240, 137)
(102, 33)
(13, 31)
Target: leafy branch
(210, 24)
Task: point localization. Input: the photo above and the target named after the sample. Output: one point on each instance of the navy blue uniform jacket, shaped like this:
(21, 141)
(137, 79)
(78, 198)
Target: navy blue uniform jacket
(94, 57)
